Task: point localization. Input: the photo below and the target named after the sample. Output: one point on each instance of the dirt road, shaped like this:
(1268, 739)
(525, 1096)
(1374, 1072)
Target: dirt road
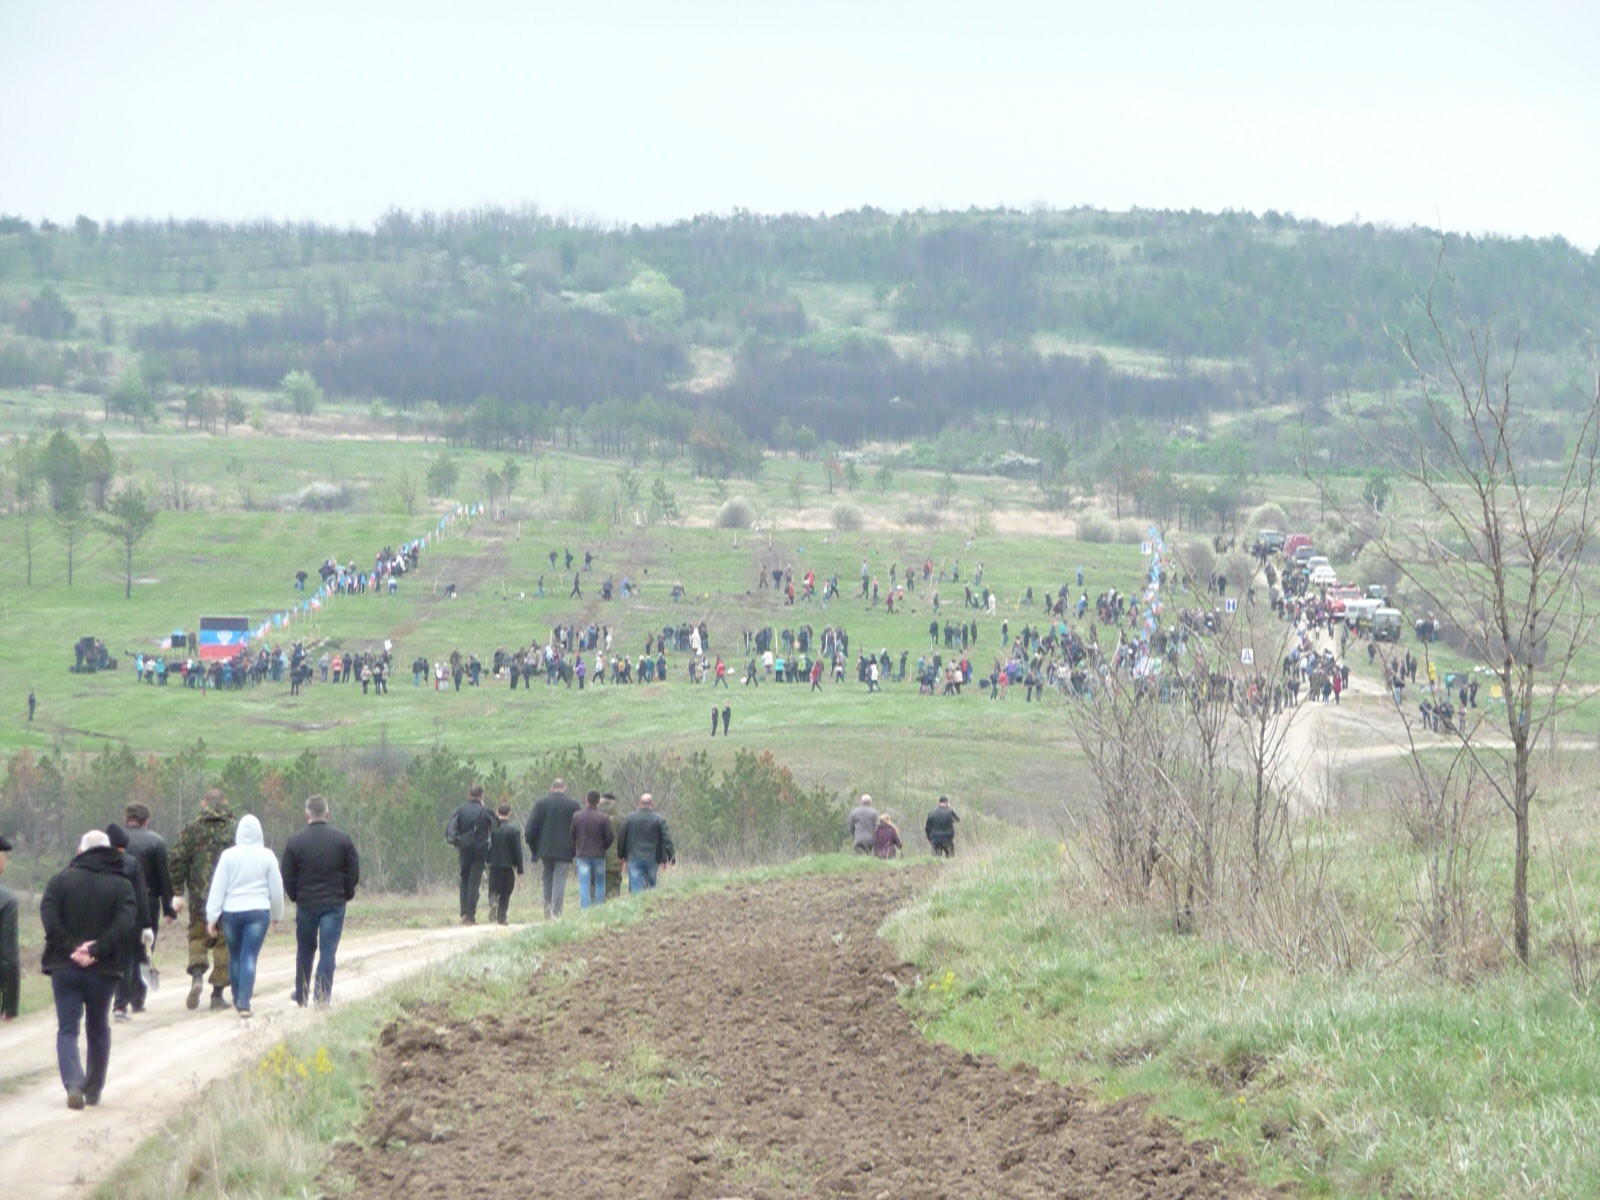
(749, 1043)
(162, 1058)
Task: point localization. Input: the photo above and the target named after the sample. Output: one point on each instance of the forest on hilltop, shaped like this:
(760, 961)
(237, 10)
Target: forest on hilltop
(785, 332)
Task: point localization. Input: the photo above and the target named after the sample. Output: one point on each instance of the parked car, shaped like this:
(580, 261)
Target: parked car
(1339, 597)
(1376, 591)
(1324, 576)
(1293, 542)
(1386, 625)
(1358, 614)
(1270, 541)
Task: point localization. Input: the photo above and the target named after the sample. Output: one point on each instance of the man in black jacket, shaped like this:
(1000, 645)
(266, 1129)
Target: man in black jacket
(149, 849)
(89, 913)
(468, 831)
(134, 951)
(940, 828)
(549, 834)
(644, 843)
(10, 957)
(320, 873)
(505, 862)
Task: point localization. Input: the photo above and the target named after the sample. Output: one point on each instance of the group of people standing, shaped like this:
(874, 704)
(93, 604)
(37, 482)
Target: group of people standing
(560, 833)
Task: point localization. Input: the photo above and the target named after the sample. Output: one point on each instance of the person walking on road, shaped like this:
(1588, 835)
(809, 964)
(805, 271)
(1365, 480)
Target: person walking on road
(505, 862)
(141, 939)
(863, 823)
(940, 828)
(591, 838)
(89, 913)
(149, 849)
(608, 806)
(549, 834)
(10, 956)
(246, 896)
(644, 843)
(468, 831)
(194, 857)
(320, 872)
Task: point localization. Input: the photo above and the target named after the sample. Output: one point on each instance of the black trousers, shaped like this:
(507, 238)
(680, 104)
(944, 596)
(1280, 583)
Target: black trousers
(502, 882)
(471, 880)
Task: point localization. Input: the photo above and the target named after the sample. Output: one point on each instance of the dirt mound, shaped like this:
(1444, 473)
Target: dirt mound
(747, 1043)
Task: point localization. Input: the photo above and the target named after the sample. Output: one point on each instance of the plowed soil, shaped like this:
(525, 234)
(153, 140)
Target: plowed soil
(746, 1043)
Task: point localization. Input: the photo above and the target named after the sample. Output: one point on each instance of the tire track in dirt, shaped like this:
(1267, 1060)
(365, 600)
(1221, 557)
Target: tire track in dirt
(744, 1043)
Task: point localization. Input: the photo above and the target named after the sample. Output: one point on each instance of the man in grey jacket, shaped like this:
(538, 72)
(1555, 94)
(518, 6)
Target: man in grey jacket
(863, 824)
(549, 836)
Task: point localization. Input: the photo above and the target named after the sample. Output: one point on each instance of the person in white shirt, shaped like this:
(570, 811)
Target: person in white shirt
(246, 895)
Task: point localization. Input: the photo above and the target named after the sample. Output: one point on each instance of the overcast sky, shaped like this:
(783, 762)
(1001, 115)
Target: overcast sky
(1469, 116)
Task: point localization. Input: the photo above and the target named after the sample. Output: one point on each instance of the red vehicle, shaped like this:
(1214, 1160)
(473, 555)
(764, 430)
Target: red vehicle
(1338, 595)
(1293, 542)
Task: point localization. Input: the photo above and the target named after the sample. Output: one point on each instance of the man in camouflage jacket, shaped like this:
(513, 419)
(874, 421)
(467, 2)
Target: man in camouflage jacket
(194, 857)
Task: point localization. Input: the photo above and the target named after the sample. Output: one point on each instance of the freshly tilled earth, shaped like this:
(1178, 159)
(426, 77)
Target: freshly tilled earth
(745, 1043)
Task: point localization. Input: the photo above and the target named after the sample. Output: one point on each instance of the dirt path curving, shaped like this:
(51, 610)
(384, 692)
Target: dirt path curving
(748, 1043)
(163, 1057)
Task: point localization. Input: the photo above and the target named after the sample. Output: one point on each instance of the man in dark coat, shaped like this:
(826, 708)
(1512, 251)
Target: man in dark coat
(320, 871)
(505, 862)
(89, 913)
(644, 843)
(150, 849)
(10, 957)
(468, 831)
(940, 828)
(591, 838)
(134, 951)
(549, 834)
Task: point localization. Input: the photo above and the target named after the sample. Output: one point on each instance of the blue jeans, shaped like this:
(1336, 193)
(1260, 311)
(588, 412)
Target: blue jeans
(591, 881)
(316, 929)
(641, 875)
(85, 996)
(245, 932)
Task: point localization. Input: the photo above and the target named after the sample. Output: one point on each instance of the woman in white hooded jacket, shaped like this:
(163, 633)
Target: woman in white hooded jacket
(246, 895)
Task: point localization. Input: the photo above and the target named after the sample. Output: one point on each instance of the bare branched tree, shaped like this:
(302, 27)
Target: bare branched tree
(1495, 550)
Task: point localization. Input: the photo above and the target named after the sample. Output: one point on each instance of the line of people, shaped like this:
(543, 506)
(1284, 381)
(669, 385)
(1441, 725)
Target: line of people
(561, 835)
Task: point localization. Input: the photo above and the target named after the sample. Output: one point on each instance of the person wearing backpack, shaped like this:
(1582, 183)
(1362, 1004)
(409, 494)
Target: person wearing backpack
(468, 831)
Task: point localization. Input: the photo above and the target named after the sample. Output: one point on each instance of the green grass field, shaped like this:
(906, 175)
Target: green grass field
(1383, 1079)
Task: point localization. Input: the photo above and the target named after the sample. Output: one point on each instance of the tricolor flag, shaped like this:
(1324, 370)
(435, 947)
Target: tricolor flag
(223, 637)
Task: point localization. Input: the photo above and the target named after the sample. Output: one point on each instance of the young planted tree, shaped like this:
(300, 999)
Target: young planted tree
(61, 464)
(1496, 552)
(129, 517)
(302, 393)
(25, 480)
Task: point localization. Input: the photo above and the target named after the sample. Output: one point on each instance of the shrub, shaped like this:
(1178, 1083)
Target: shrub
(735, 513)
(321, 497)
(1267, 516)
(1131, 531)
(923, 517)
(847, 518)
(1197, 559)
(1095, 526)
